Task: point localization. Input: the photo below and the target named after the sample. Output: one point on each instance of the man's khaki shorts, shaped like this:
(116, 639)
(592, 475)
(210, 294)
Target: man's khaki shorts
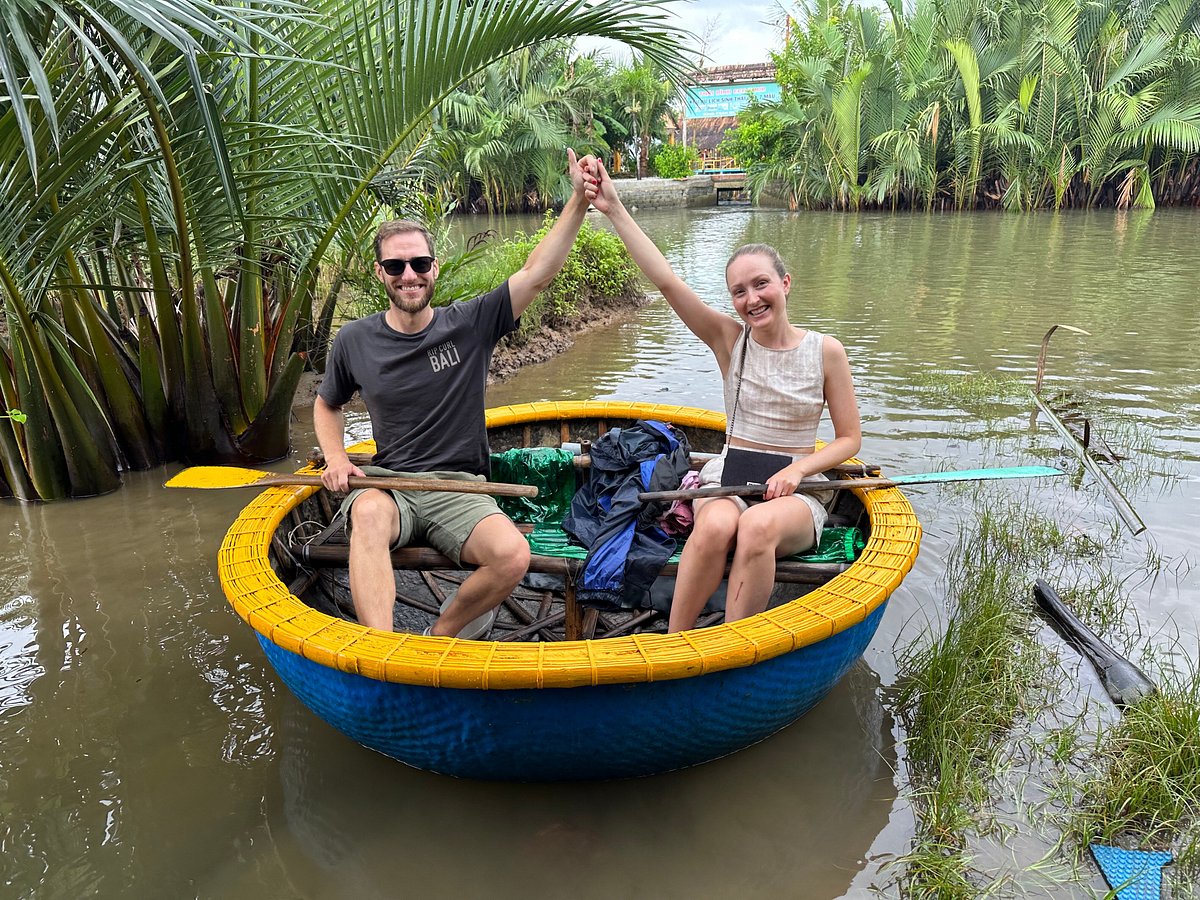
(443, 519)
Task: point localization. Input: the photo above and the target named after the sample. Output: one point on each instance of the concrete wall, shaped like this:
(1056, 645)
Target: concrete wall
(652, 193)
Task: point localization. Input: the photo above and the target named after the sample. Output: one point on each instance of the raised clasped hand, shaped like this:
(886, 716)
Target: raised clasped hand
(583, 181)
(604, 194)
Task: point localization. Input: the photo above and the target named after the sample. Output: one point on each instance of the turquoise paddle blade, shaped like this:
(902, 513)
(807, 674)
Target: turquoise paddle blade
(978, 474)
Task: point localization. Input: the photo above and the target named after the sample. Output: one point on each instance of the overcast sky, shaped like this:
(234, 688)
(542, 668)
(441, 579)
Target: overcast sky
(734, 32)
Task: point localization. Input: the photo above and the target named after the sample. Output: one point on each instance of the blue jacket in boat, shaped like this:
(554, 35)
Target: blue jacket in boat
(627, 549)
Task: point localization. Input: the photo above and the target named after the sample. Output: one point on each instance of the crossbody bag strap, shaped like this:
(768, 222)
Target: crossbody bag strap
(737, 391)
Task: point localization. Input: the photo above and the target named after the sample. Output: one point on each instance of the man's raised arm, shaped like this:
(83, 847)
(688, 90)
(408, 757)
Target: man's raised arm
(551, 252)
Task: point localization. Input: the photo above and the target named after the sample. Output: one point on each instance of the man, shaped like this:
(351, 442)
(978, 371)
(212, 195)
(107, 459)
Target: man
(422, 373)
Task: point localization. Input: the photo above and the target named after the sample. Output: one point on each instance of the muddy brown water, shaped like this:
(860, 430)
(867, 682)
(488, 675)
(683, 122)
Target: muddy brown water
(148, 749)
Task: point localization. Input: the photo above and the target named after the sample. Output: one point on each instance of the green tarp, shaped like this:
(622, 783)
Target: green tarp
(552, 471)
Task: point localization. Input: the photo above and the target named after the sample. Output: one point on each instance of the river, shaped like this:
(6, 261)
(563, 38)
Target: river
(149, 750)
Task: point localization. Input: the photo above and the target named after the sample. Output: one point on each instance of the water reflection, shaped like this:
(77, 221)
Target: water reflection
(119, 653)
(802, 808)
(148, 747)
(19, 667)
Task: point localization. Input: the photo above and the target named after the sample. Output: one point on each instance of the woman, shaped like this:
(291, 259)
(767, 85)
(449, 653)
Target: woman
(778, 378)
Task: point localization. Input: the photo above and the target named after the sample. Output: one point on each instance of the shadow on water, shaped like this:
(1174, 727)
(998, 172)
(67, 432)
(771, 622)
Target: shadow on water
(125, 706)
(801, 808)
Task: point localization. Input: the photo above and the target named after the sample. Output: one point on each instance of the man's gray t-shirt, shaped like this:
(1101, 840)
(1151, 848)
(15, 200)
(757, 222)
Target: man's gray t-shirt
(425, 391)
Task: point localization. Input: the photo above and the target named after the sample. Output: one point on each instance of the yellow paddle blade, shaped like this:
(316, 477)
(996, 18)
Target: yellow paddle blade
(217, 477)
(234, 477)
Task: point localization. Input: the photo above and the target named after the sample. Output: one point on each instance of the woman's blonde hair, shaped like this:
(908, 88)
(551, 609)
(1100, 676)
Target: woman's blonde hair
(765, 250)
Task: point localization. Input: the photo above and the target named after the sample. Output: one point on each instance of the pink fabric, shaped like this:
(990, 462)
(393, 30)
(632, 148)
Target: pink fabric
(678, 519)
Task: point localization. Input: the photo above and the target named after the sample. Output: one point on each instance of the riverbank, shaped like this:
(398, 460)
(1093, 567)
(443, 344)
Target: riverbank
(556, 335)
(550, 338)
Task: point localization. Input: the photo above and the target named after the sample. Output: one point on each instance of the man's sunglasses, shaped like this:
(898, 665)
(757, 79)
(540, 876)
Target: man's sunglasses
(420, 265)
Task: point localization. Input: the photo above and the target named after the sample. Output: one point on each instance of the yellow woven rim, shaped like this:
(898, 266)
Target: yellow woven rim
(261, 599)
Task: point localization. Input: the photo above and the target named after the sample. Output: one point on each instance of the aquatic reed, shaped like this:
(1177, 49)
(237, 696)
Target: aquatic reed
(960, 694)
(988, 717)
(977, 393)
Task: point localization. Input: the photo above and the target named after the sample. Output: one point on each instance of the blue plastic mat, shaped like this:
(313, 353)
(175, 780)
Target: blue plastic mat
(1133, 874)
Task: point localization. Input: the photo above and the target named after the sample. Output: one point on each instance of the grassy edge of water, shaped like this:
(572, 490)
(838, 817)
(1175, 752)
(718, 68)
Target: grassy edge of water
(964, 689)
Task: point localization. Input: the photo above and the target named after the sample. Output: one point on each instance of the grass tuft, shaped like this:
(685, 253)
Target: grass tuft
(977, 393)
(1147, 788)
(961, 693)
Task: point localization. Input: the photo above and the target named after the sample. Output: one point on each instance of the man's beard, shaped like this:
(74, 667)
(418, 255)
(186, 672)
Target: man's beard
(409, 304)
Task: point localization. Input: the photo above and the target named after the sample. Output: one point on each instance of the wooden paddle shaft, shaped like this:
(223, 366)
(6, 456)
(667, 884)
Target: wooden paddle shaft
(394, 483)
(859, 470)
(756, 490)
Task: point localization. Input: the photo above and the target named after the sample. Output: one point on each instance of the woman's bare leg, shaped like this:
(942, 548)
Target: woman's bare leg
(766, 531)
(702, 565)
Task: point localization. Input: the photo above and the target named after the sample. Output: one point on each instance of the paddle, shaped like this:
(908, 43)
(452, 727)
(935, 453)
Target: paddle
(1125, 683)
(849, 484)
(317, 459)
(234, 477)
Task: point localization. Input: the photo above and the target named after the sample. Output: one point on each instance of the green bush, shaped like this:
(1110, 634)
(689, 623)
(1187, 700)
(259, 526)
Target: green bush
(755, 139)
(674, 161)
(598, 268)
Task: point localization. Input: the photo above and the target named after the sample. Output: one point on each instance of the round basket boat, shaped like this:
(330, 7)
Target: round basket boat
(568, 709)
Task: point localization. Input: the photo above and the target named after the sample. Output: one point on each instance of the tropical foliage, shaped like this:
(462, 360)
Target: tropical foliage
(674, 161)
(645, 98)
(500, 136)
(176, 175)
(963, 103)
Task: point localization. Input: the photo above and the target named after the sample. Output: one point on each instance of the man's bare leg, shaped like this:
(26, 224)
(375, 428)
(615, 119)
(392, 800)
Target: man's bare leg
(375, 525)
(501, 555)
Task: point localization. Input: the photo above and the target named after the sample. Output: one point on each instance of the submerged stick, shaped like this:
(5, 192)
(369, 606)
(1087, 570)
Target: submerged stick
(1123, 507)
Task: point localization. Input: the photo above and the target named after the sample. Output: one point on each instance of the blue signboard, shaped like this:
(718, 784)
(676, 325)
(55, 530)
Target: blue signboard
(710, 101)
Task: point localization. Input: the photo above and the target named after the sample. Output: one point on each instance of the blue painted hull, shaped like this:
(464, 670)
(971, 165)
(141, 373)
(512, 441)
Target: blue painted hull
(559, 734)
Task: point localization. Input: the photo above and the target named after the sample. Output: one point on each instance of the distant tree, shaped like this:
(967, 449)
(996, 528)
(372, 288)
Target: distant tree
(645, 97)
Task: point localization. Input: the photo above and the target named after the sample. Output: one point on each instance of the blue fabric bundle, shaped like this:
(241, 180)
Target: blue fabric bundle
(626, 548)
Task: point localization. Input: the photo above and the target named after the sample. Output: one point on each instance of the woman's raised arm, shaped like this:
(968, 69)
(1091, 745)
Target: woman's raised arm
(716, 329)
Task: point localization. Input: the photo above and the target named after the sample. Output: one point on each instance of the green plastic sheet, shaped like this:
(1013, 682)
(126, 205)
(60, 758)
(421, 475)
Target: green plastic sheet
(549, 469)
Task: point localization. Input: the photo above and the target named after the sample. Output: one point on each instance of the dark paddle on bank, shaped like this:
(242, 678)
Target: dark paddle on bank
(234, 477)
(848, 484)
(1125, 682)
